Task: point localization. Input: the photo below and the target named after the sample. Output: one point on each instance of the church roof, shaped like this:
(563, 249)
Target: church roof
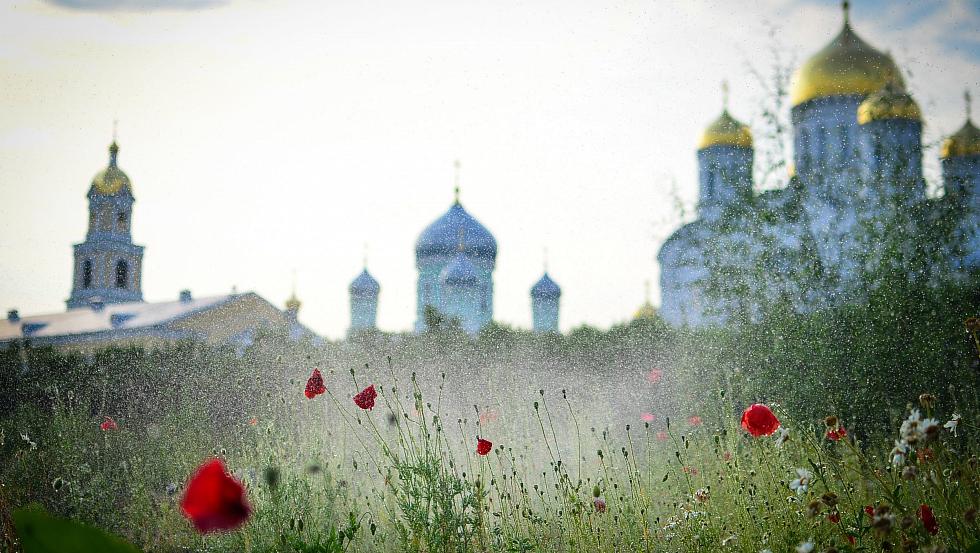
(110, 317)
(124, 320)
(546, 288)
(364, 285)
(460, 272)
(442, 237)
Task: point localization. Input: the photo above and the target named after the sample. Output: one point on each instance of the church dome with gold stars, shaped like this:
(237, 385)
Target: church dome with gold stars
(111, 180)
(846, 66)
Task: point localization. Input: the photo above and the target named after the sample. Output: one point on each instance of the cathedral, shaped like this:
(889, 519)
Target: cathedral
(455, 257)
(856, 184)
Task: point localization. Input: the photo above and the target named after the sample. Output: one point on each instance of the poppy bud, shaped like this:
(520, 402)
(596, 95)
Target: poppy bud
(831, 421)
(970, 515)
(271, 476)
(829, 499)
(595, 491)
(909, 473)
(813, 508)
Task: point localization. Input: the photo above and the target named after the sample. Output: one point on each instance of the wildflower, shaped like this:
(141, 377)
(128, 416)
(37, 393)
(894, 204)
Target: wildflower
(662, 436)
(869, 510)
(925, 454)
(972, 324)
(805, 547)
(727, 541)
(970, 515)
(701, 495)
(911, 429)
(835, 434)
(927, 400)
(314, 385)
(829, 498)
(759, 420)
(883, 519)
(952, 424)
(214, 500)
(695, 420)
(782, 436)
(800, 484)
(834, 517)
(253, 421)
(899, 452)
(599, 504)
(909, 473)
(655, 376)
(648, 417)
(693, 471)
(487, 416)
(928, 519)
(813, 508)
(727, 456)
(108, 424)
(365, 399)
(483, 446)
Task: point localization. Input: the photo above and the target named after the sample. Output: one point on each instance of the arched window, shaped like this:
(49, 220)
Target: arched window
(87, 274)
(121, 220)
(122, 274)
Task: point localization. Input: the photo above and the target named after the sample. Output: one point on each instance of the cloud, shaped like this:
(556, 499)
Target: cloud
(136, 5)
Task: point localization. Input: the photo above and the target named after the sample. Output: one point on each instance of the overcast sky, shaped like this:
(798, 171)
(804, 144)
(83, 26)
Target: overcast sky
(263, 137)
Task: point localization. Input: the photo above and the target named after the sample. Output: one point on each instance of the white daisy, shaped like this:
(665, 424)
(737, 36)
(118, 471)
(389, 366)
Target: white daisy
(952, 424)
(805, 547)
(899, 452)
(912, 428)
(782, 436)
(799, 485)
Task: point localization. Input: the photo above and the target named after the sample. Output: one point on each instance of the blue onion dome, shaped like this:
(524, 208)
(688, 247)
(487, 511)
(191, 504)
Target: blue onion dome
(460, 272)
(442, 237)
(111, 180)
(364, 285)
(545, 288)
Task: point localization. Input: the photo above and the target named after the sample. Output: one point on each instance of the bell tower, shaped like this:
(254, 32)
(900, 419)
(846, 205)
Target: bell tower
(108, 266)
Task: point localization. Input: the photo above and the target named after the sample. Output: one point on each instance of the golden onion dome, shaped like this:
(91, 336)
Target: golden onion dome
(964, 142)
(111, 180)
(293, 303)
(646, 311)
(891, 102)
(848, 65)
(726, 131)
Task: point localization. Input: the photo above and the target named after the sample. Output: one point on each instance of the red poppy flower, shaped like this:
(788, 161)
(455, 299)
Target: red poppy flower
(759, 420)
(835, 434)
(365, 399)
(108, 424)
(253, 421)
(655, 376)
(928, 519)
(869, 510)
(691, 470)
(483, 446)
(851, 539)
(599, 504)
(213, 500)
(648, 417)
(314, 386)
(834, 517)
(695, 420)
(662, 436)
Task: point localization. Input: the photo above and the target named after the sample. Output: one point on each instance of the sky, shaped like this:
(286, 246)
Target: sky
(266, 139)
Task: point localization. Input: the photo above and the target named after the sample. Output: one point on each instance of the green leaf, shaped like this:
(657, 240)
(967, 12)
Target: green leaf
(42, 533)
(975, 548)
